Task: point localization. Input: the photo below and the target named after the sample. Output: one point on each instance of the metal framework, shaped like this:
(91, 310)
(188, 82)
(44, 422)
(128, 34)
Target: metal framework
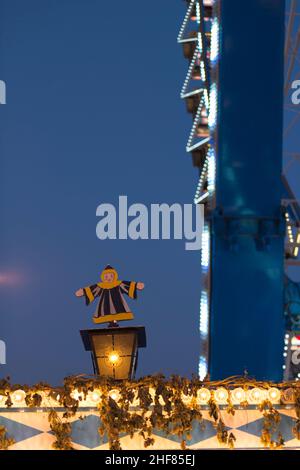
(200, 38)
(291, 158)
(290, 202)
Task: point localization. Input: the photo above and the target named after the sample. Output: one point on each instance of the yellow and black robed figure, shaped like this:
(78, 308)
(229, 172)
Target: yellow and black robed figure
(112, 306)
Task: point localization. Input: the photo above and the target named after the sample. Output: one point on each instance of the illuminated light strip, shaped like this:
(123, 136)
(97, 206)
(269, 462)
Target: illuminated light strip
(289, 228)
(254, 394)
(296, 250)
(211, 176)
(209, 168)
(211, 103)
(198, 12)
(205, 248)
(201, 181)
(203, 369)
(203, 72)
(204, 301)
(286, 342)
(209, 172)
(214, 48)
(192, 93)
(200, 43)
(213, 107)
(206, 99)
(197, 55)
(185, 21)
(188, 40)
(203, 327)
(201, 198)
(190, 147)
(198, 144)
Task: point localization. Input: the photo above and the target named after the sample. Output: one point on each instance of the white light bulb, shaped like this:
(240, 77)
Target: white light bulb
(94, 396)
(221, 395)
(2, 398)
(18, 396)
(75, 394)
(238, 395)
(186, 398)
(274, 395)
(256, 395)
(114, 394)
(203, 396)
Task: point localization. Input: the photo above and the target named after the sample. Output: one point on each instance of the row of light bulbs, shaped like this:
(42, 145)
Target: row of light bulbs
(221, 395)
(239, 395)
(18, 397)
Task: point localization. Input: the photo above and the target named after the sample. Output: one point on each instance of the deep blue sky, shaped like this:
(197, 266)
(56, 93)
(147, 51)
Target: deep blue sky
(93, 111)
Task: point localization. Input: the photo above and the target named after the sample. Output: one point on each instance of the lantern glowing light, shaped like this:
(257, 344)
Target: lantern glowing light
(203, 396)
(113, 357)
(114, 350)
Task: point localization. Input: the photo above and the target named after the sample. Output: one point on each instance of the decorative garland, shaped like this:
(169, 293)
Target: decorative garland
(171, 405)
(5, 441)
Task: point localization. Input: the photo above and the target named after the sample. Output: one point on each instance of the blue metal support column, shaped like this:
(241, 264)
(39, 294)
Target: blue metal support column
(247, 225)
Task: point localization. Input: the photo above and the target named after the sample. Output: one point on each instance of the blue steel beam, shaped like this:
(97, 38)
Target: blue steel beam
(247, 224)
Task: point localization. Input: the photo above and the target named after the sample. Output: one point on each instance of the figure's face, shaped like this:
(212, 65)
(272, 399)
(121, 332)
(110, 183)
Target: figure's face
(108, 277)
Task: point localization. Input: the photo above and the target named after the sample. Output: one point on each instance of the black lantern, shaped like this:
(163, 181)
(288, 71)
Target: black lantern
(114, 351)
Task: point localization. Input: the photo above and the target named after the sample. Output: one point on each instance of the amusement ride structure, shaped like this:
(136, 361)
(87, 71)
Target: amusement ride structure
(234, 89)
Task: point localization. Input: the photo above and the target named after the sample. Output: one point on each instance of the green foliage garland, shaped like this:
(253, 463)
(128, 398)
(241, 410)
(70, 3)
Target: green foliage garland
(169, 405)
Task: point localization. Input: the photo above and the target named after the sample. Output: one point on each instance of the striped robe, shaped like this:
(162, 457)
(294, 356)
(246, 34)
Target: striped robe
(112, 305)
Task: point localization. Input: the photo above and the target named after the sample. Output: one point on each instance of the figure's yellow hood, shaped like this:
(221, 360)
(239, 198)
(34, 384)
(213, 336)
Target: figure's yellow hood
(109, 285)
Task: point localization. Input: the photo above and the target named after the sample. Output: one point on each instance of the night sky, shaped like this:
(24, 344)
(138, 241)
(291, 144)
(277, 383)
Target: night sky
(93, 112)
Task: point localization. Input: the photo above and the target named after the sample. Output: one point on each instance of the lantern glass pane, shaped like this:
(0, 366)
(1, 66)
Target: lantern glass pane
(124, 343)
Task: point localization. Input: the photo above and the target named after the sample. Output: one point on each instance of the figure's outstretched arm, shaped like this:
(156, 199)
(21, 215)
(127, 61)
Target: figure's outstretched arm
(90, 293)
(79, 293)
(130, 288)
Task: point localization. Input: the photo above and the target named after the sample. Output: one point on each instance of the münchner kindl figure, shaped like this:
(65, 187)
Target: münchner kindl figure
(112, 306)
